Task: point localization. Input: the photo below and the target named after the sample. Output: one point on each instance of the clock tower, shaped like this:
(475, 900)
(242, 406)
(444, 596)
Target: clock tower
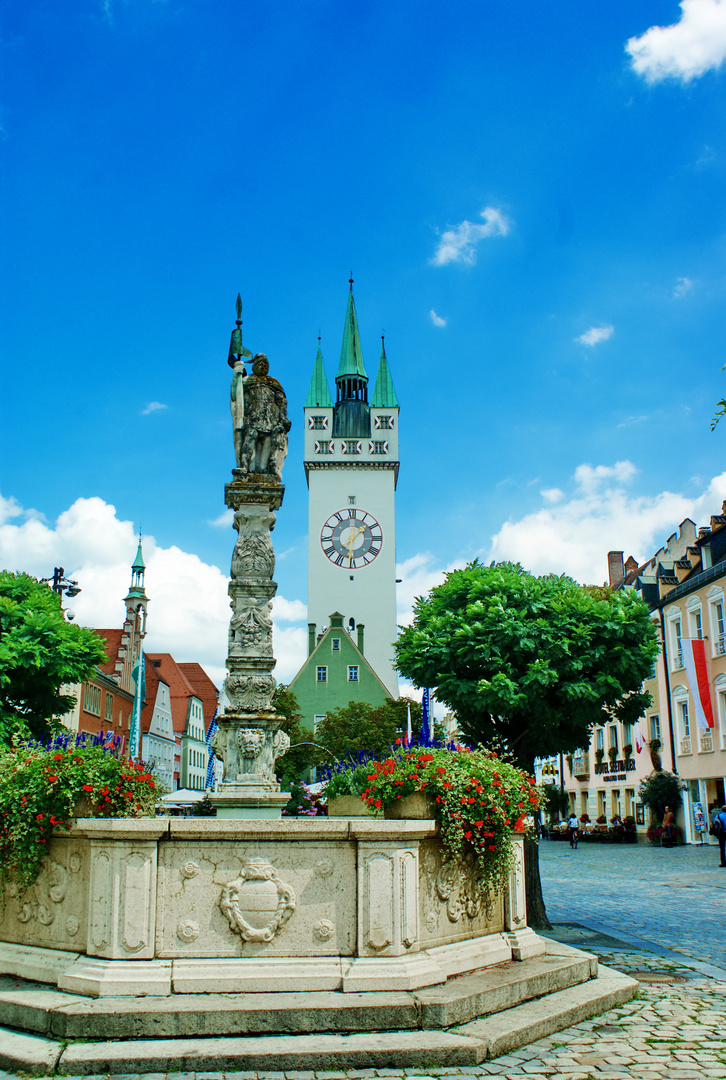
(351, 465)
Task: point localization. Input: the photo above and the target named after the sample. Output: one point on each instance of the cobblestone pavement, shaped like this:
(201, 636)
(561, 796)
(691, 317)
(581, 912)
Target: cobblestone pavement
(672, 898)
(672, 904)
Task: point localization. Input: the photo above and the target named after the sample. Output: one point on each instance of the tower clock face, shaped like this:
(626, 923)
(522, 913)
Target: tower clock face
(351, 538)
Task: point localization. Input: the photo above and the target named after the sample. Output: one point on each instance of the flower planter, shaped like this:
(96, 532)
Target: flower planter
(419, 806)
(348, 806)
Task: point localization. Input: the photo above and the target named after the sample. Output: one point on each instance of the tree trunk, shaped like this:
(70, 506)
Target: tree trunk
(536, 914)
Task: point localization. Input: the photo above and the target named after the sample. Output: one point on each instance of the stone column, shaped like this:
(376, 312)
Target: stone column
(249, 738)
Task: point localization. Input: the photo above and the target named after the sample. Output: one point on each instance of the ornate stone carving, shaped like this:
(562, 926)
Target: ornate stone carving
(250, 628)
(250, 741)
(187, 931)
(189, 869)
(324, 867)
(253, 555)
(324, 929)
(250, 691)
(280, 744)
(75, 862)
(72, 925)
(257, 903)
(431, 922)
(456, 885)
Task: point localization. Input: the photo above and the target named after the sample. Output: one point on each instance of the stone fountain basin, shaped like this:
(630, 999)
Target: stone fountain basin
(199, 905)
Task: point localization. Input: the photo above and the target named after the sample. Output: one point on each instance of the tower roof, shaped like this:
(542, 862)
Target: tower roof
(319, 392)
(138, 563)
(351, 354)
(384, 395)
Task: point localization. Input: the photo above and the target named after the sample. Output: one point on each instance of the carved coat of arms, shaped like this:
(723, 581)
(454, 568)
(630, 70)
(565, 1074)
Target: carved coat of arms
(257, 903)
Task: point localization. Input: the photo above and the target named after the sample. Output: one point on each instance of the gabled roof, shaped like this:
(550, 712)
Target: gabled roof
(351, 354)
(152, 678)
(384, 395)
(319, 392)
(180, 689)
(203, 687)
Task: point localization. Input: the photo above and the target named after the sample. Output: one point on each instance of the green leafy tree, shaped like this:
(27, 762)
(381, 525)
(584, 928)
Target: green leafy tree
(556, 802)
(300, 759)
(362, 726)
(659, 790)
(39, 653)
(532, 661)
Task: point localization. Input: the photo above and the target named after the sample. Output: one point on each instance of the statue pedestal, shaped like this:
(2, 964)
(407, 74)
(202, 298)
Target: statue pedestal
(240, 802)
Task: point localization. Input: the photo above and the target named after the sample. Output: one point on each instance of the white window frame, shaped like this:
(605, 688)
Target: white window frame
(654, 726)
(335, 644)
(717, 621)
(318, 719)
(354, 668)
(675, 636)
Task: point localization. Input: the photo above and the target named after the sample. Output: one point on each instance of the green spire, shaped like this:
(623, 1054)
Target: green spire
(351, 354)
(138, 563)
(319, 392)
(384, 396)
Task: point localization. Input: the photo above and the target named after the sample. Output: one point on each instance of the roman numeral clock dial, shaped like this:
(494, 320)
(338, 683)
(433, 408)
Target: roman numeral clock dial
(351, 538)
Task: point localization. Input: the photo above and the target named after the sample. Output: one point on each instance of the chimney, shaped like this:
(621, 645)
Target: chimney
(311, 638)
(361, 628)
(616, 572)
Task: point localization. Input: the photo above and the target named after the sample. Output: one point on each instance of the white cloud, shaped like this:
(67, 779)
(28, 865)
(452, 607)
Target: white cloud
(458, 244)
(686, 49)
(575, 536)
(595, 335)
(682, 286)
(153, 406)
(437, 319)
(188, 603)
(552, 495)
(630, 420)
(224, 520)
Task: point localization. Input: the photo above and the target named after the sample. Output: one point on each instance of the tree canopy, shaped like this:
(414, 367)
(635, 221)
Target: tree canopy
(532, 661)
(361, 726)
(39, 653)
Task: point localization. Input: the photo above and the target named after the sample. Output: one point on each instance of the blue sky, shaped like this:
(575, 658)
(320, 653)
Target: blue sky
(531, 199)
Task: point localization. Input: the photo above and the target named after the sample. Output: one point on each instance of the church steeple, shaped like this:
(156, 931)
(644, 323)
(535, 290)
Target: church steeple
(351, 354)
(352, 414)
(319, 392)
(136, 600)
(384, 395)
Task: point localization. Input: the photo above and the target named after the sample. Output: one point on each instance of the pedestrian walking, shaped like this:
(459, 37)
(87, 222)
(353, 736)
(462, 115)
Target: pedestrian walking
(669, 820)
(718, 829)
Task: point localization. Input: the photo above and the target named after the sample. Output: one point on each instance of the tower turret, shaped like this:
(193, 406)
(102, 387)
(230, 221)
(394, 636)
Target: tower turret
(351, 418)
(136, 601)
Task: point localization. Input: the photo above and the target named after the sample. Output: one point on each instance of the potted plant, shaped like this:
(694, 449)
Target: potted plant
(44, 787)
(479, 800)
(343, 787)
(599, 754)
(570, 761)
(627, 751)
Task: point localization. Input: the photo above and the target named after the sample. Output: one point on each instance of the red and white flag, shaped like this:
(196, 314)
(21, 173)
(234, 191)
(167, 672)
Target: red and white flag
(694, 661)
(639, 740)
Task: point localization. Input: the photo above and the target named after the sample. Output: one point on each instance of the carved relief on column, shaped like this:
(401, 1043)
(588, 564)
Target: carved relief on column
(387, 898)
(516, 902)
(122, 900)
(253, 555)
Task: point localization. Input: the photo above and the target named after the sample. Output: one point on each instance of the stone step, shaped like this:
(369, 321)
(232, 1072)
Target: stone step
(467, 1045)
(44, 1010)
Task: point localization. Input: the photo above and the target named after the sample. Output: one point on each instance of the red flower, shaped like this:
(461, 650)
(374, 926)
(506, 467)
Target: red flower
(446, 784)
(467, 836)
(52, 779)
(38, 817)
(440, 769)
(88, 787)
(58, 757)
(492, 847)
(479, 824)
(378, 803)
(471, 799)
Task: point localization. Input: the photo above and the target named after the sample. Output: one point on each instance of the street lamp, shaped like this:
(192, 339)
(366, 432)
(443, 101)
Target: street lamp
(62, 585)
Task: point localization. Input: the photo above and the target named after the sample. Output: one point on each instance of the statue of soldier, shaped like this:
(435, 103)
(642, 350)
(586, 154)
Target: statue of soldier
(259, 411)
